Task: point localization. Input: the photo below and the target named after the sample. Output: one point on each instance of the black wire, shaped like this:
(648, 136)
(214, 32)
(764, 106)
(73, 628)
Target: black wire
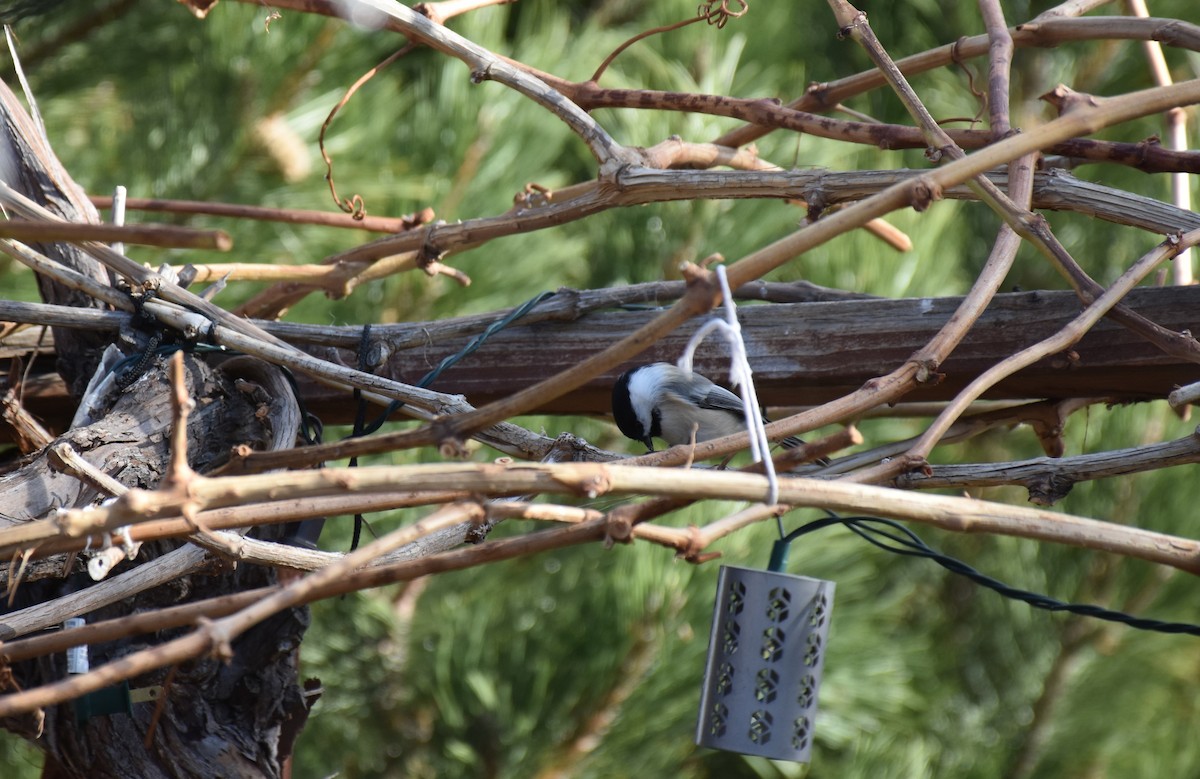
(135, 365)
(124, 366)
(360, 420)
(905, 542)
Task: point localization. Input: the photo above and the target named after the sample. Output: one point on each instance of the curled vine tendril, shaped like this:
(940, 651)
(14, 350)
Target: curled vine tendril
(719, 12)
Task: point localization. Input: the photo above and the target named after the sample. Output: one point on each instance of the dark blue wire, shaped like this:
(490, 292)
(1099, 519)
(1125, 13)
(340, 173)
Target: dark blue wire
(361, 429)
(903, 541)
(467, 350)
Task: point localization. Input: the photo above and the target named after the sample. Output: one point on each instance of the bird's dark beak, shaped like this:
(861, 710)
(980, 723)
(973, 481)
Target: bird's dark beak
(649, 442)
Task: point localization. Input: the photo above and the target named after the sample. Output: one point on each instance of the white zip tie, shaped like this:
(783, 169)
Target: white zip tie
(77, 656)
(118, 215)
(741, 377)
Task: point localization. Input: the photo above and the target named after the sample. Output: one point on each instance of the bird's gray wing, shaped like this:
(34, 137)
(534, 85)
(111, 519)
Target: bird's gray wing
(721, 399)
(703, 393)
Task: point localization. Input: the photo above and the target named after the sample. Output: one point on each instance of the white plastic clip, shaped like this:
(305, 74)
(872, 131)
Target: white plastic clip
(110, 555)
(127, 543)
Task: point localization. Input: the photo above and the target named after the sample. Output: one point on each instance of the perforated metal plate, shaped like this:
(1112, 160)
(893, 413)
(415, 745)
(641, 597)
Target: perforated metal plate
(765, 656)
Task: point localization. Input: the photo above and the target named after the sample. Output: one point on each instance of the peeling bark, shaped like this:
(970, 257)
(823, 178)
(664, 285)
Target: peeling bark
(28, 165)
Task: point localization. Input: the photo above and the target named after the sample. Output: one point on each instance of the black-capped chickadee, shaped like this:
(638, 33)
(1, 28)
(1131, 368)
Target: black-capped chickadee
(660, 400)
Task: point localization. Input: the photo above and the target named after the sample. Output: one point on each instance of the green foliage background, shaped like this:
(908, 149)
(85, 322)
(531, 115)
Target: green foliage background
(499, 671)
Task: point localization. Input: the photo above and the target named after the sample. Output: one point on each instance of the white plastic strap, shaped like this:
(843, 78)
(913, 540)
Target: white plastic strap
(741, 377)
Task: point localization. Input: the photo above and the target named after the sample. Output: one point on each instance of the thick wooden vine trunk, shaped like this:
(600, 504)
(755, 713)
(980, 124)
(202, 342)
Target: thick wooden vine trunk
(215, 719)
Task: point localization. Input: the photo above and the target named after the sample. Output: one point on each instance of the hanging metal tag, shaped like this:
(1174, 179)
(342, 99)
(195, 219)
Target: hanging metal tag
(765, 655)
